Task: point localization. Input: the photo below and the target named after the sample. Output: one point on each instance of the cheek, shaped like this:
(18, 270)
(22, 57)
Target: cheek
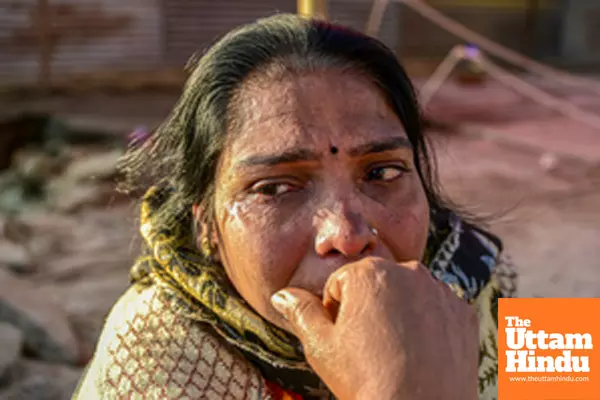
(260, 249)
(405, 224)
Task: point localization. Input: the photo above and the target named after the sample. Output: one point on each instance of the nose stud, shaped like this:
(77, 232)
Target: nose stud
(374, 231)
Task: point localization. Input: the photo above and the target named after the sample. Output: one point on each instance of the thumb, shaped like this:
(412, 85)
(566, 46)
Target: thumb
(304, 312)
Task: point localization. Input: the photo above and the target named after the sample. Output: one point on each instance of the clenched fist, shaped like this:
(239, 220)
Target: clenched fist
(385, 330)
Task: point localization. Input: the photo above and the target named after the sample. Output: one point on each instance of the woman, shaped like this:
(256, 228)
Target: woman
(295, 244)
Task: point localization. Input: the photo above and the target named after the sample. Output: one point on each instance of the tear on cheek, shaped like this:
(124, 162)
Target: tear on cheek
(247, 215)
(236, 213)
(233, 210)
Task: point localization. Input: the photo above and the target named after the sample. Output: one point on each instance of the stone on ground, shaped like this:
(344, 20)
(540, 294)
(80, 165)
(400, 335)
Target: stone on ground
(45, 325)
(11, 343)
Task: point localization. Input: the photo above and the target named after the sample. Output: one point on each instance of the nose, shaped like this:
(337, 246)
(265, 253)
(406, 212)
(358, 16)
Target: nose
(343, 231)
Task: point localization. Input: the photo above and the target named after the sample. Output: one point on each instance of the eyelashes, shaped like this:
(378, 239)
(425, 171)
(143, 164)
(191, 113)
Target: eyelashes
(386, 173)
(275, 188)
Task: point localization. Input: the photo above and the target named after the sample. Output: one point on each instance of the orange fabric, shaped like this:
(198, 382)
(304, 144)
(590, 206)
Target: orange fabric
(279, 394)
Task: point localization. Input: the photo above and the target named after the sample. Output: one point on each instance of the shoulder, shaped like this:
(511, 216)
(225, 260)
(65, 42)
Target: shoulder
(148, 348)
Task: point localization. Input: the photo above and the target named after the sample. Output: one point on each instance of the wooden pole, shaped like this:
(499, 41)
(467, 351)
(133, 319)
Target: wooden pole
(375, 17)
(313, 8)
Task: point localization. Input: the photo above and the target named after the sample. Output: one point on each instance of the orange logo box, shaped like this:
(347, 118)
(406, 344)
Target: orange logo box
(549, 349)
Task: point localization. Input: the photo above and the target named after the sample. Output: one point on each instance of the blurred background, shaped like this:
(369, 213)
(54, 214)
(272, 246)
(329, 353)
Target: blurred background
(509, 90)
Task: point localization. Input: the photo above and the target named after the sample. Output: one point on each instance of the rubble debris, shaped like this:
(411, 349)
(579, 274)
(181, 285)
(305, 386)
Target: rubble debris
(96, 167)
(15, 257)
(59, 381)
(25, 130)
(44, 324)
(33, 387)
(37, 150)
(11, 344)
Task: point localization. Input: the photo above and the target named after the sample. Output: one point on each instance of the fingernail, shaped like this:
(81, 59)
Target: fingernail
(280, 301)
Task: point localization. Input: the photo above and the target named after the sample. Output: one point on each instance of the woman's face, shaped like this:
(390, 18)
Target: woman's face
(319, 174)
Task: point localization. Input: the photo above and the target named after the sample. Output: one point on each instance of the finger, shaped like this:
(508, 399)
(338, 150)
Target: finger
(332, 295)
(305, 314)
(331, 305)
(343, 281)
(339, 281)
(363, 278)
(335, 293)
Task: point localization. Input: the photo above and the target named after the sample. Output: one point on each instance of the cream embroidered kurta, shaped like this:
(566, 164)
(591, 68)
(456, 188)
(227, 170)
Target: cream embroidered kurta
(148, 351)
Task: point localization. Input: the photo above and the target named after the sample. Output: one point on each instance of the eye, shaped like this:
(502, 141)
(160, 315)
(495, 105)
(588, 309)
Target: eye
(273, 189)
(386, 173)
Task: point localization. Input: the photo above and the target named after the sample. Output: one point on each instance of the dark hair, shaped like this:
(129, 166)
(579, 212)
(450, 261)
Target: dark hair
(183, 153)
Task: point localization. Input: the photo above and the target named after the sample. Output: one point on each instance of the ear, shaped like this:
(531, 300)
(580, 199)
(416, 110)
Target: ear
(208, 245)
(197, 212)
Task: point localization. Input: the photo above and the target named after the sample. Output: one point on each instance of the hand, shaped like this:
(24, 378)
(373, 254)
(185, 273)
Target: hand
(386, 331)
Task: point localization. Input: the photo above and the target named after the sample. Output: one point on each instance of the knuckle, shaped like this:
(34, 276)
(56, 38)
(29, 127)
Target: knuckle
(368, 264)
(367, 275)
(365, 267)
(376, 270)
(374, 262)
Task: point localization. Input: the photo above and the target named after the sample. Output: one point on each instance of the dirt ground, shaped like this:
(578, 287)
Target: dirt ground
(550, 224)
(536, 174)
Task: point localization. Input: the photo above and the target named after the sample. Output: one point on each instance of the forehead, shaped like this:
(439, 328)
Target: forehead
(313, 110)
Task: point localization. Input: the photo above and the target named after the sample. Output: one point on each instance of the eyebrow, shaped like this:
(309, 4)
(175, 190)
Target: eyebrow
(304, 155)
(286, 157)
(398, 142)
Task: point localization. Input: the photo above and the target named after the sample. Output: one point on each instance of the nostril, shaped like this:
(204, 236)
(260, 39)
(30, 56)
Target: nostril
(367, 249)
